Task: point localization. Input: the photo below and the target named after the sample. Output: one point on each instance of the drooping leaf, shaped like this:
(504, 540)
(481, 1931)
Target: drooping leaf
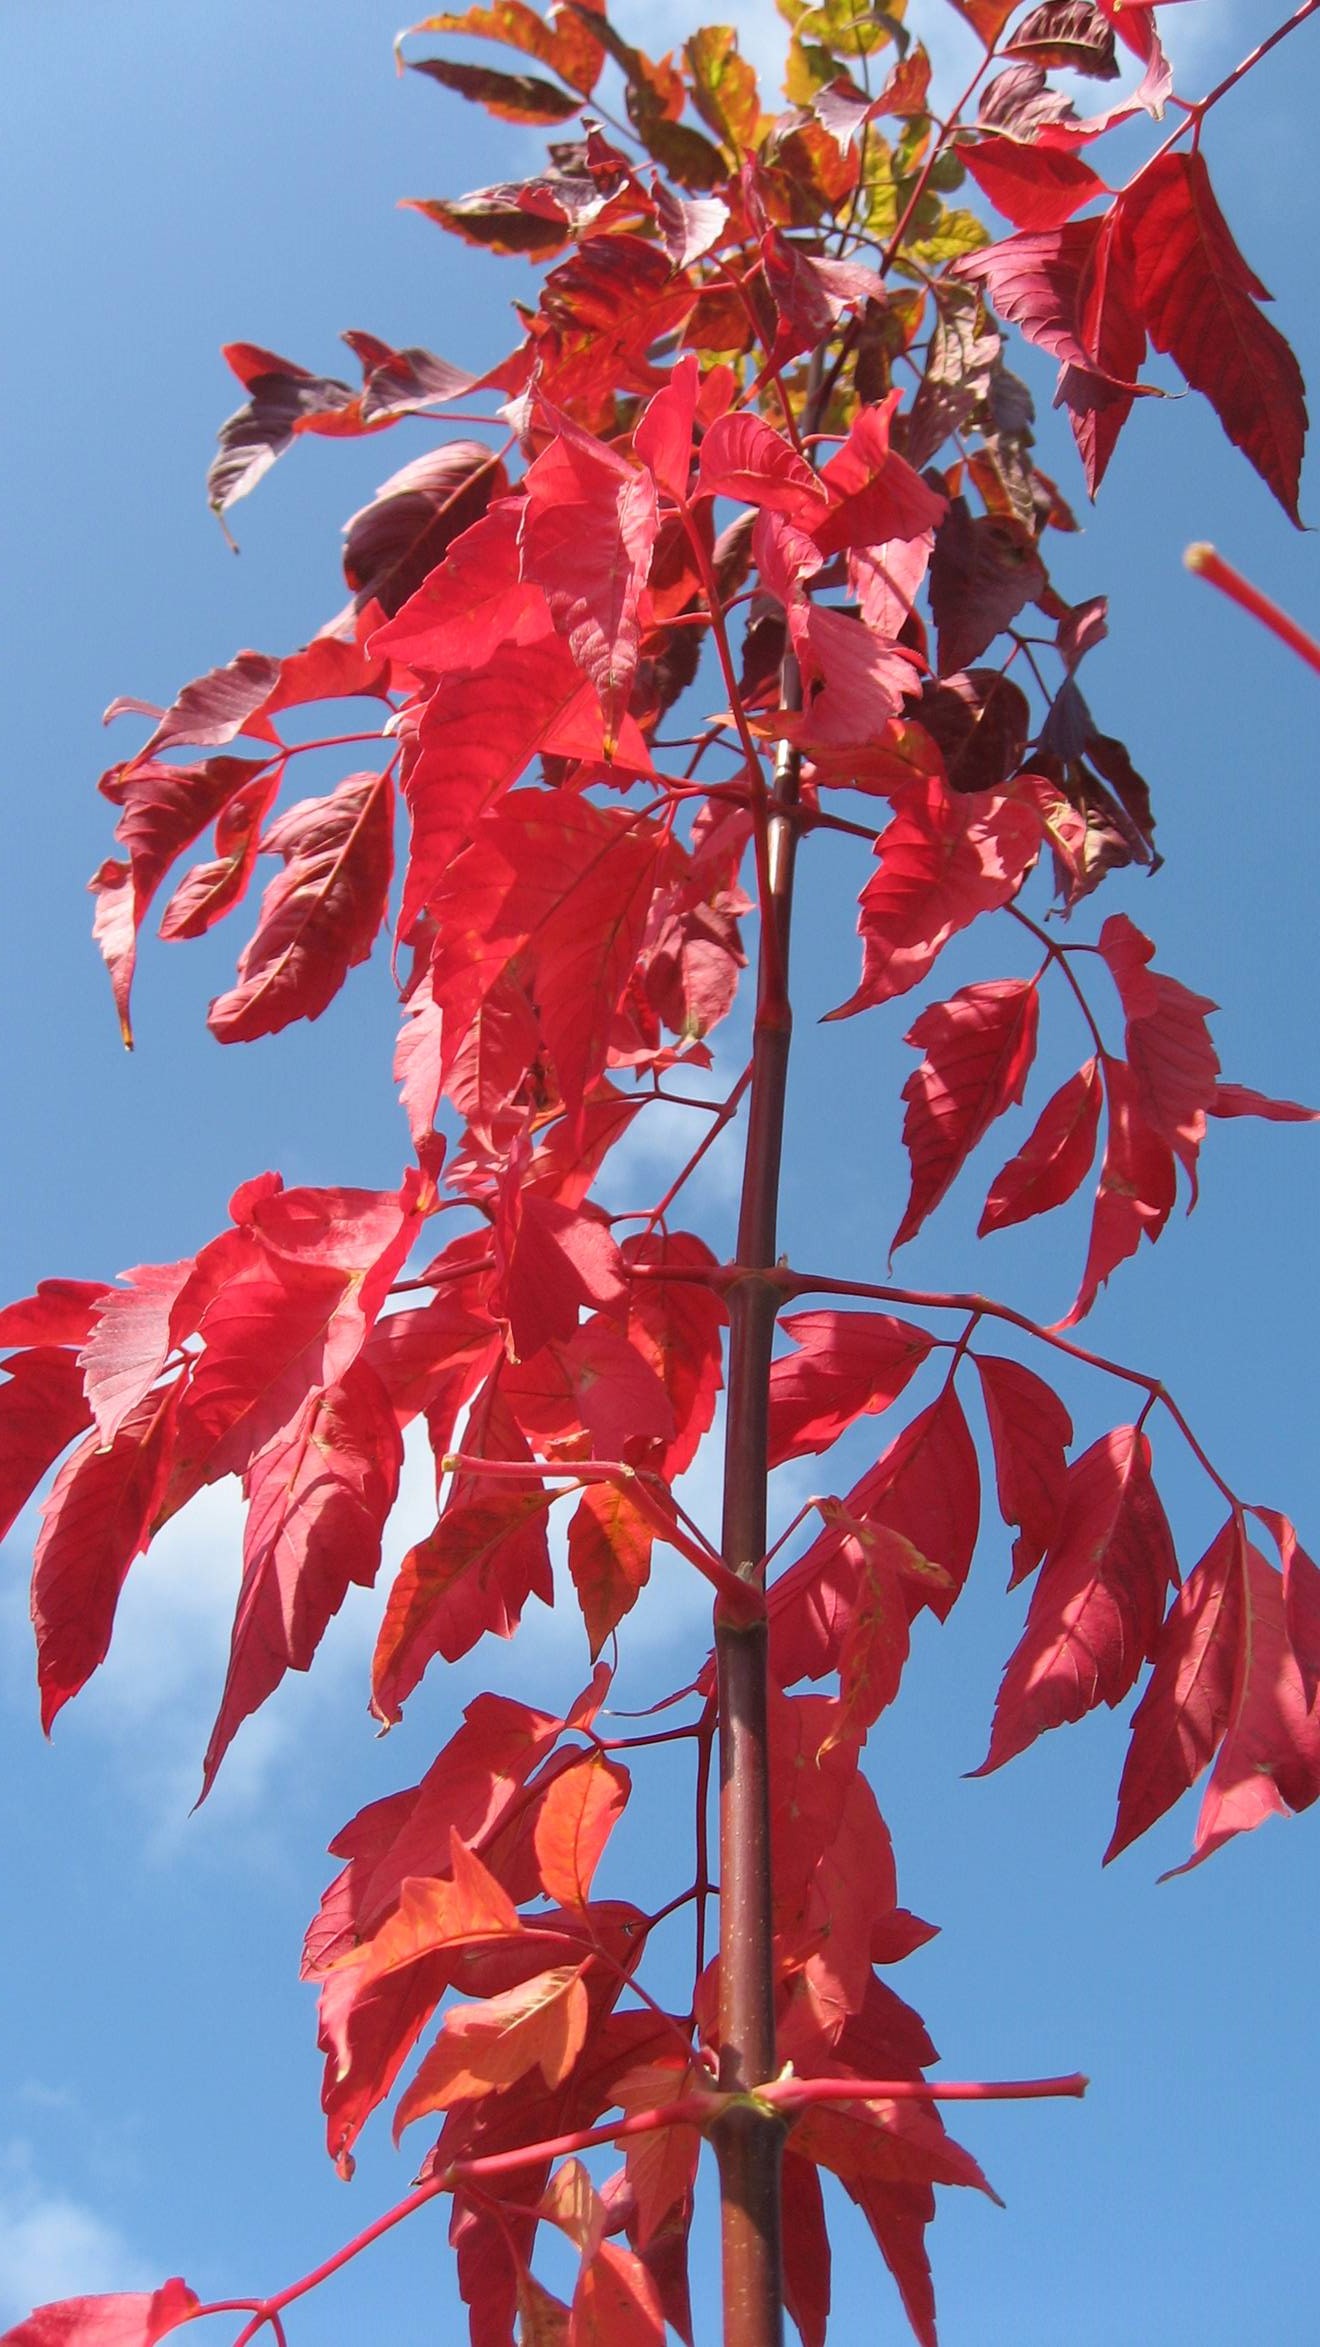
(983, 570)
(1174, 1064)
(1030, 1430)
(97, 1520)
(588, 528)
(474, 1573)
(574, 1823)
(510, 97)
(609, 1558)
(1054, 1160)
(320, 916)
(1183, 1713)
(281, 394)
(616, 2303)
(569, 885)
(317, 1503)
(1200, 303)
(978, 1048)
(42, 1410)
(1268, 1764)
(551, 1263)
(943, 860)
(1301, 1597)
(875, 495)
(210, 890)
(1097, 1608)
(130, 1341)
(1240, 1100)
(1138, 1181)
(926, 1489)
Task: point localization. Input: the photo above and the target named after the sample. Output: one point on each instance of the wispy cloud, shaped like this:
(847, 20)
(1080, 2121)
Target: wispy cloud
(54, 2246)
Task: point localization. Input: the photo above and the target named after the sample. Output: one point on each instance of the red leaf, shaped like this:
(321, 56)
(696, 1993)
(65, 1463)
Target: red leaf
(206, 893)
(847, 1362)
(616, 2303)
(1035, 283)
(1072, 34)
(806, 2249)
(567, 884)
(875, 495)
(575, 1821)
(413, 519)
(1301, 1597)
(1269, 1762)
(98, 1518)
(162, 810)
(1096, 1610)
(677, 1326)
(1240, 1100)
(743, 457)
(987, 18)
(283, 394)
(1185, 1708)
(551, 1262)
(318, 1499)
(131, 1339)
(943, 860)
(1034, 187)
(1199, 300)
(1173, 1063)
(661, 2167)
(925, 1488)
(598, 1384)
(300, 1285)
(663, 438)
(1030, 1430)
(132, 2318)
(62, 1312)
(474, 1573)
(1056, 1158)
(320, 916)
(609, 1558)
(568, 46)
(540, 2024)
(476, 737)
(510, 97)
(1136, 1193)
(978, 1049)
(1099, 401)
(588, 528)
(42, 1410)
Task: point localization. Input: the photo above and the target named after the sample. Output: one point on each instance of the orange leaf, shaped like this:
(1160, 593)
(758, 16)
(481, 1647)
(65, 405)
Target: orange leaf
(574, 1823)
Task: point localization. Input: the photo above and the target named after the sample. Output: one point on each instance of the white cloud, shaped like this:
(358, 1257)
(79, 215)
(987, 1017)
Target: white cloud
(53, 2246)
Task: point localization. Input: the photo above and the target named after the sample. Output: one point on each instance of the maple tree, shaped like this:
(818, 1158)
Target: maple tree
(758, 441)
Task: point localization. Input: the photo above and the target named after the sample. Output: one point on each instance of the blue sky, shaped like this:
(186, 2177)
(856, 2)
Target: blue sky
(174, 178)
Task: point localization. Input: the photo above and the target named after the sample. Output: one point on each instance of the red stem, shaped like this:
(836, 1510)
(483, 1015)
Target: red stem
(1206, 564)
